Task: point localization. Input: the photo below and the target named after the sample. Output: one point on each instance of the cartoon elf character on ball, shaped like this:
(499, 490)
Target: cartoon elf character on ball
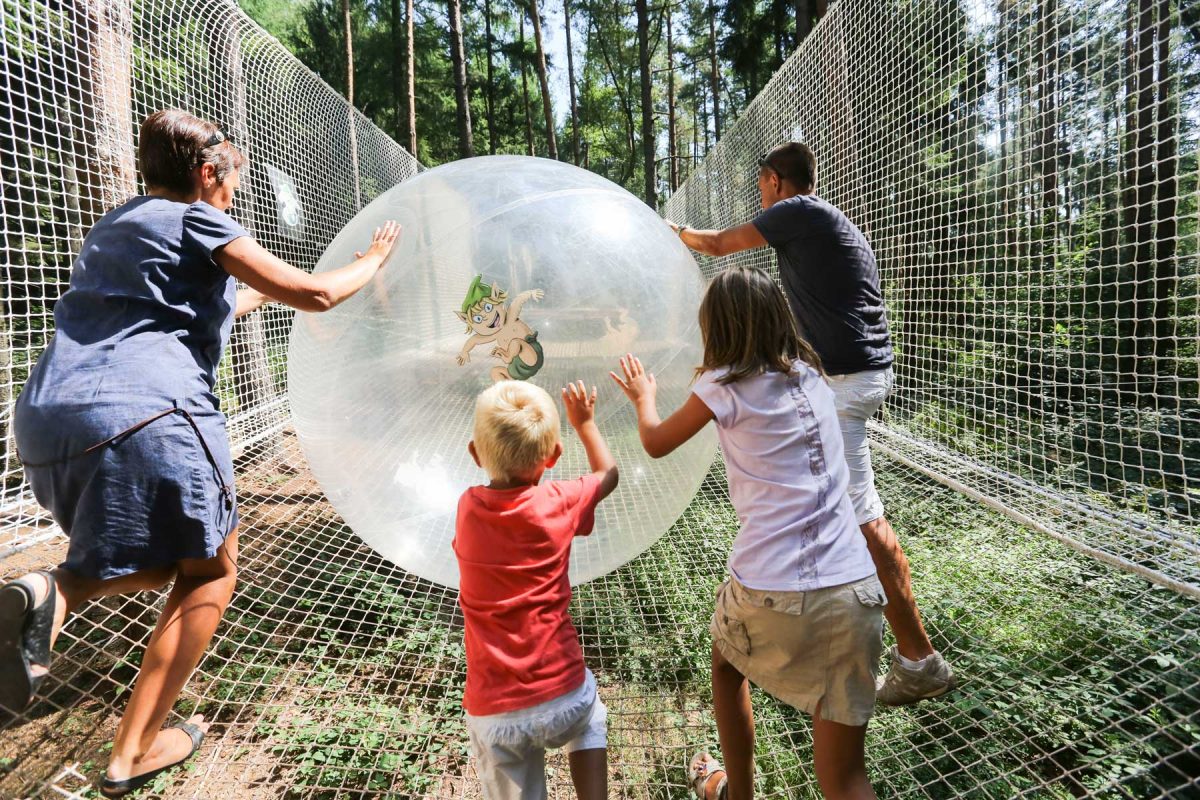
(490, 321)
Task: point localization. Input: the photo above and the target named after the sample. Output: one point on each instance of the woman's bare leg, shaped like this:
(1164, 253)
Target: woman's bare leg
(202, 590)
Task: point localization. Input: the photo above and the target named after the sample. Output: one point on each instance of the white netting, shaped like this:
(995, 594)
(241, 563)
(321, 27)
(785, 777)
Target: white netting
(1047, 337)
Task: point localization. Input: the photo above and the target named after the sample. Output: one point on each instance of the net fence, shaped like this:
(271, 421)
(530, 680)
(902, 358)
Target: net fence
(1027, 176)
(1026, 172)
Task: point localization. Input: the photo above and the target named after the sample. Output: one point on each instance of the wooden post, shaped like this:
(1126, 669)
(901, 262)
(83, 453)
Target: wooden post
(253, 384)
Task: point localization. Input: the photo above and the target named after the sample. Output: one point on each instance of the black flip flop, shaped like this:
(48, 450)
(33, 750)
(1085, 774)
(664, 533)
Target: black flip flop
(111, 788)
(25, 631)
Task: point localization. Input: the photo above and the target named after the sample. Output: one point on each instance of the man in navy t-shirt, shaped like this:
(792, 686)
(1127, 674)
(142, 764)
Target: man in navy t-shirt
(831, 279)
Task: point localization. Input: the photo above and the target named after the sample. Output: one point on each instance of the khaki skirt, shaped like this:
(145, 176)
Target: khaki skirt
(804, 648)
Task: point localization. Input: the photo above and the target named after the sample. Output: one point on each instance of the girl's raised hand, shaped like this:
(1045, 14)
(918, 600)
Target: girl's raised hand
(637, 384)
(581, 407)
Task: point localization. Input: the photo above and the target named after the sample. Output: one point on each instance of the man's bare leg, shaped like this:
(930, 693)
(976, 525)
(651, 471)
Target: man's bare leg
(901, 611)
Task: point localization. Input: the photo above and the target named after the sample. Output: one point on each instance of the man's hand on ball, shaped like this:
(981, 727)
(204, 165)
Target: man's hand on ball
(638, 385)
(581, 406)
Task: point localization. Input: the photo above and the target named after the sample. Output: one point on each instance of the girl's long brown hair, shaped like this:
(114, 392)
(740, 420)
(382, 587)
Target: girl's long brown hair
(748, 327)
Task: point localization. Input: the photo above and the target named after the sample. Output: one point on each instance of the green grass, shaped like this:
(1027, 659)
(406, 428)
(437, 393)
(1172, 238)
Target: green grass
(1075, 677)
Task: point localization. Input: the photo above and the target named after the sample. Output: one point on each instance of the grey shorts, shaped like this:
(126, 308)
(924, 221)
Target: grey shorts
(510, 748)
(805, 648)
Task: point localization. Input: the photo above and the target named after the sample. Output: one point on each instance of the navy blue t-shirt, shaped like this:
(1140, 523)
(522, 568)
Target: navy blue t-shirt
(832, 282)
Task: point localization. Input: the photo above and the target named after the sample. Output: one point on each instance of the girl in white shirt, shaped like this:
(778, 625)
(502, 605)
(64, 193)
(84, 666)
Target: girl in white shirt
(801, 613)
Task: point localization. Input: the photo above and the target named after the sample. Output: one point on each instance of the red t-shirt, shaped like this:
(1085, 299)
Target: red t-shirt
(513, 547)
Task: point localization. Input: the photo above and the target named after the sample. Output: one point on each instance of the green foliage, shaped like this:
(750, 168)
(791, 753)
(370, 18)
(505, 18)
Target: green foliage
(606, 67)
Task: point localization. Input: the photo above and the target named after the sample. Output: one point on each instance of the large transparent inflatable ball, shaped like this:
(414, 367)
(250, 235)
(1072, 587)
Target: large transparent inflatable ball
(508, 267)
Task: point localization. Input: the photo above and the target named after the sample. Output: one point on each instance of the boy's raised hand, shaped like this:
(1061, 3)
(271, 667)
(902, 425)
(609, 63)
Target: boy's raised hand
(581, 407)
(638, 384)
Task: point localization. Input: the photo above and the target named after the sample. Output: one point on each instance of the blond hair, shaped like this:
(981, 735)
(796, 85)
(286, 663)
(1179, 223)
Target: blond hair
(516, 429)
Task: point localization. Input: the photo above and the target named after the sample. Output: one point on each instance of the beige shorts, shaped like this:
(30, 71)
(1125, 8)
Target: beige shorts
(804, 648)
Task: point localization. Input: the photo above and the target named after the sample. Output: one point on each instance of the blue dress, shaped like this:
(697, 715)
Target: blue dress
(118, 427)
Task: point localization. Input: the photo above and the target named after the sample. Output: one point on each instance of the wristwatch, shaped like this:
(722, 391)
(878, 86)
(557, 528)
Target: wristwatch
(679, 231)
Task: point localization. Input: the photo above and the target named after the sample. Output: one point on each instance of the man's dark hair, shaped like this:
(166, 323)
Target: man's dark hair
(172, 143)
(793, 162)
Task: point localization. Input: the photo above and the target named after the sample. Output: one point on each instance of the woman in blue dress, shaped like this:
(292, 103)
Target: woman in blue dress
(121, 435)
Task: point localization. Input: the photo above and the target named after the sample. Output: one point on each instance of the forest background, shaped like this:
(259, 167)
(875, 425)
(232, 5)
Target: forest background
(1040, 175)
(635, 92)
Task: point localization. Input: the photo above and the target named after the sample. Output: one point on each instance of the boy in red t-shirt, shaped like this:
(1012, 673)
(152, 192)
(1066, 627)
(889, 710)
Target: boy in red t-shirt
(527, 686)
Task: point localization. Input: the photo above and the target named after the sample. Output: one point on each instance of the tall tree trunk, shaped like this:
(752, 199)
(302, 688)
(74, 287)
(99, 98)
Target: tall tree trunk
(1141, 212)
(490, 96)
(351, 122)
(695, 123)
(347, 32)
(410, 46)
(398, 73)
(671, 143)
(779, 29)
(571, 84)
(551, 140)
(1166, 160)
(1047, 93)
(98, 171)
(643, 35)
(1004, 169)
(1046, 165)
(458, 56)
(105, 167)
(804, 20)
(525, 88)
(714, 70)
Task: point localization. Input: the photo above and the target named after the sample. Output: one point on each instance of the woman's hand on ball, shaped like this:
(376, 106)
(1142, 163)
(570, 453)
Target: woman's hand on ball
(638, 385)
(581, 406)
(382, 242)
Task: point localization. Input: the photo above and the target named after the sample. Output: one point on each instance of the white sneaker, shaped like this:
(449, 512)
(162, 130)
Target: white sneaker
(902, 686)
